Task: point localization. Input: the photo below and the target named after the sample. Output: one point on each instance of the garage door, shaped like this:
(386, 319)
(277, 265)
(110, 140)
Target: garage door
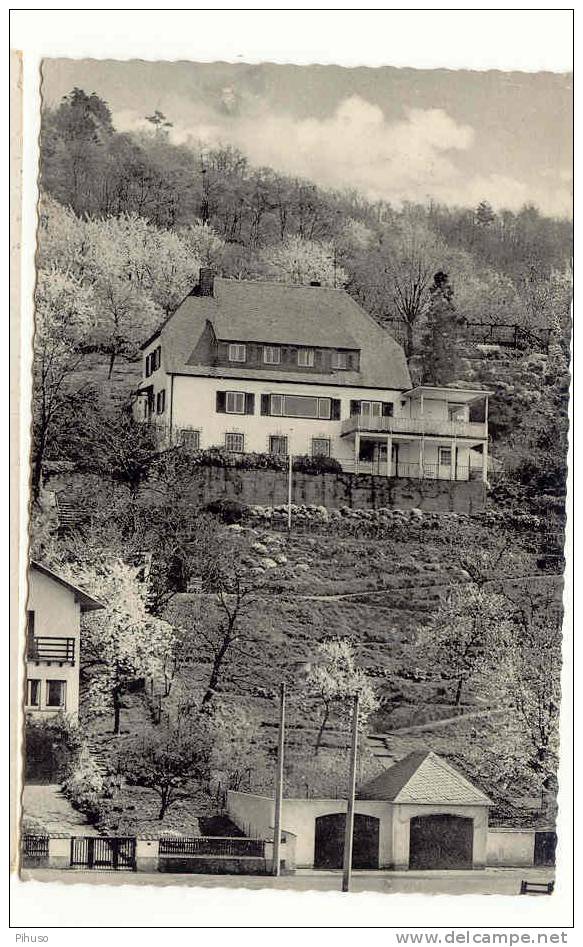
(441, 841)
(329, 847)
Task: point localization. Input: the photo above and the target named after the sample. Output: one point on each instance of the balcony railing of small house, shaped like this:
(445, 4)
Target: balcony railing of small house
(441, 427)
(51, 650)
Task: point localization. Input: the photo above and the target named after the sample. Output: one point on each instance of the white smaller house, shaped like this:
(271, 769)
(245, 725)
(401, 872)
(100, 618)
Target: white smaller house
(53, 616)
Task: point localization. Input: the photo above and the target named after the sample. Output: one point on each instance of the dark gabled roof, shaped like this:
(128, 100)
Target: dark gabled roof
(87, 602)
(254, 311)
(425, 778)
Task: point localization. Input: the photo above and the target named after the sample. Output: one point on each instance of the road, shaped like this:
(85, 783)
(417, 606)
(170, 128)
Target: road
(489, 881)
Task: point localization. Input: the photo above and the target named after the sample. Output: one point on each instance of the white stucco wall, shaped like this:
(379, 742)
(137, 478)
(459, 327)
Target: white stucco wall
(510, 847)
(191, 404)
(254, 815)
(56, 615)
(194, 405)
(402, 827)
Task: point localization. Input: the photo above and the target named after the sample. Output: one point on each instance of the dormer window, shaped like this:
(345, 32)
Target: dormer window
(340, 360)
(237, 352)
(306, 358)
(271, 354)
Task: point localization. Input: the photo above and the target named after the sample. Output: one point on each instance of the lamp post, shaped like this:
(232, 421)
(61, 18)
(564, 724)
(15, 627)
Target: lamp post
(290, 464)
(349, 827)
(275, 866)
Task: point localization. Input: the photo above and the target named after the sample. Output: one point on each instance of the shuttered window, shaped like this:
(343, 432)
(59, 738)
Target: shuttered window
(300, 406)
(235, 402)
(161, 402)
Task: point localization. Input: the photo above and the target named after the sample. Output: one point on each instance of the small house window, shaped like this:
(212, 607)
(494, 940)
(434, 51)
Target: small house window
(271, 354)
(235, 402)
(237, 352)
(156, 358)
(56, 693)
(235, 443)
(278, 444)
(161, 402)
(190, 439)
(306, 358)
(33, 692)
(340, 360)
(445, 456)
(320, 447)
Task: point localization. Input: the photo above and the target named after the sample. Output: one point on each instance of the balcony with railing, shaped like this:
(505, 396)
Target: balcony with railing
(433, 426)
(45, 650)
(415, 471)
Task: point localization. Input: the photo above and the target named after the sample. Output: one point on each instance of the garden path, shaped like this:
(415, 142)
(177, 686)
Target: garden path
(47, 804)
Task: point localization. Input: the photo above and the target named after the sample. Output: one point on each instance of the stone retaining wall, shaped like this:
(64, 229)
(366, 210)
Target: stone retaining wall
(359, 491)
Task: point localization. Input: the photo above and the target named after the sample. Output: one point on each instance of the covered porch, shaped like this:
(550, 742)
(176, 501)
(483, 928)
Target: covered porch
(418, 458)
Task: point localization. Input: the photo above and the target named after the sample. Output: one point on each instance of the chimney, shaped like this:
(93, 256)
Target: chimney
(206, 281)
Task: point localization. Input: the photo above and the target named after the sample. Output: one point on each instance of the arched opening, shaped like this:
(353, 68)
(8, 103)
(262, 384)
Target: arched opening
(441, 841)
(329, 844)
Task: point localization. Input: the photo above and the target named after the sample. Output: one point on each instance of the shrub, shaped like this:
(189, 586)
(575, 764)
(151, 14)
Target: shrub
(53, 744)
(87, 788)
(230, 511)
(319, 464)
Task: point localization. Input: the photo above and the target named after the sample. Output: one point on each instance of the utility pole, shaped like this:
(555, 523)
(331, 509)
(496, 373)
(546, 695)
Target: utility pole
(349, 828)
(289, 490)
(279, 784)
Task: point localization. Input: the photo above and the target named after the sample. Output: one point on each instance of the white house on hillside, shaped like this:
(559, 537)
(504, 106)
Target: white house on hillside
(270, 367)
(53, 616)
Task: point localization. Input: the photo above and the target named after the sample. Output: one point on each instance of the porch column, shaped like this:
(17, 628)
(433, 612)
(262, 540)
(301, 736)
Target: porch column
(421, 450)
(485, 461)
(389, 455)
(453, 466)
(356, 450)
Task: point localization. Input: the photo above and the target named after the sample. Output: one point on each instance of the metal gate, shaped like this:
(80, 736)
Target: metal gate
(107, 854)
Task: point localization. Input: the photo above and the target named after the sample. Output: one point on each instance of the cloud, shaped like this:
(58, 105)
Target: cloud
(425, 155)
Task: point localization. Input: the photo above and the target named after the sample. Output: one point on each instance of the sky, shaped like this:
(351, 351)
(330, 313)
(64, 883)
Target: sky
(455, 137)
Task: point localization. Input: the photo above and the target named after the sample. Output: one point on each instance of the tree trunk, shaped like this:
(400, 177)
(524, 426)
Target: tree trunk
(163, 805)
(458, 693)
(116, 710)
(409, 352)
(37, 469)
(111, 364)
(322, 728)
(216, 669)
